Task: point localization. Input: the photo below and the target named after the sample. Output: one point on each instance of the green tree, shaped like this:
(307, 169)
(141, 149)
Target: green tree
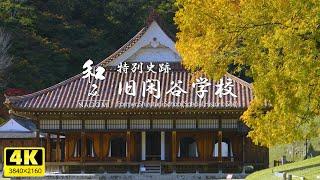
(52, 39)
(278, 42)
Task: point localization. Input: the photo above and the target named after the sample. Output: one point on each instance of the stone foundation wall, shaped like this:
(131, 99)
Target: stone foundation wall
(141, 177)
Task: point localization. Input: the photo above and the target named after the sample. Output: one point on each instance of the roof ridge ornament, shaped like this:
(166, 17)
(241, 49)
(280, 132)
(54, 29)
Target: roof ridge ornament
(153, 16)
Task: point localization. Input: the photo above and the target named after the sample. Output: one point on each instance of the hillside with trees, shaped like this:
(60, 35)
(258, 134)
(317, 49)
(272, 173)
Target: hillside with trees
(50, 40)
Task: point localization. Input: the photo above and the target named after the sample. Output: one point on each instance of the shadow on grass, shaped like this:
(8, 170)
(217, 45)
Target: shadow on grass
(311, 153)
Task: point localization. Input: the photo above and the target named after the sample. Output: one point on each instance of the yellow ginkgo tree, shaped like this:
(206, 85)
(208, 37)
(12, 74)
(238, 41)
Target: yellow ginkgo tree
(278, 43)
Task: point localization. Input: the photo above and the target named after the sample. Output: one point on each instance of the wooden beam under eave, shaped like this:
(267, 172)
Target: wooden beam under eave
(89, 113)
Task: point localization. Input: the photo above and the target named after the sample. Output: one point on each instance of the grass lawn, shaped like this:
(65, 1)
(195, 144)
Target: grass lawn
(309, 169)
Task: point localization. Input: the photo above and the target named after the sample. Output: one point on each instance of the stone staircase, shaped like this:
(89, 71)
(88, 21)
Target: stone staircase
(150, 169)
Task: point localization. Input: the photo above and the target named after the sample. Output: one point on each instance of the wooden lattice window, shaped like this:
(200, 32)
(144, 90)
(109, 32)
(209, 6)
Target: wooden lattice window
(116, 124)
(71, 124)
(139, 124)
(94, 124)
(208, 123)
(162, 124)
(186, 124)
(49, 124)
(229, 123)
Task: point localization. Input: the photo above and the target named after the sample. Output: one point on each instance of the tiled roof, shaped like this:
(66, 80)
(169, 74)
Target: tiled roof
(24, 129)
(16, 123)
(74, 94)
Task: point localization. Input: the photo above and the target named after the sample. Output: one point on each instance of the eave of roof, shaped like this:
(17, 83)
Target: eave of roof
(17, 135)
(67, 97)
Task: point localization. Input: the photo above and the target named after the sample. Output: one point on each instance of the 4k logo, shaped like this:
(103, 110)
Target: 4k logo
(24, 156)
(24, 161)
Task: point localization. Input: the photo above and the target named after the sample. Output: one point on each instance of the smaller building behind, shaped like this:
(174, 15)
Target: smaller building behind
(17, 132)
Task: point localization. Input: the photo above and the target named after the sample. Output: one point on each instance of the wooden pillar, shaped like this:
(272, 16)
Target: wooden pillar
(143, 145)
(174, 146)
(38, 138)
(219, 146)
(128, 146)
(243, 149)
(48, 148)
(38, 132)
(101, 146)
(163, 145)
(205, 146)
(82, 158)
(58, 157)
(66, 148)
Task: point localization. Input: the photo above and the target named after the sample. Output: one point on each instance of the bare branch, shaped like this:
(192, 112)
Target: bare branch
(5, 58)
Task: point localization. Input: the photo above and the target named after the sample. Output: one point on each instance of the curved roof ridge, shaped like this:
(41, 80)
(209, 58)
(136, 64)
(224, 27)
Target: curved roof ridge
(123, 48)
(239, 80)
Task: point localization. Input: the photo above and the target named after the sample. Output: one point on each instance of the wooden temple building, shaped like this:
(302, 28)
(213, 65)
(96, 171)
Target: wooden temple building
(157, 117)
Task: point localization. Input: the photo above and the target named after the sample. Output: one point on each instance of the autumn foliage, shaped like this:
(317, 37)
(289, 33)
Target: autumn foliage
(277, 41)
